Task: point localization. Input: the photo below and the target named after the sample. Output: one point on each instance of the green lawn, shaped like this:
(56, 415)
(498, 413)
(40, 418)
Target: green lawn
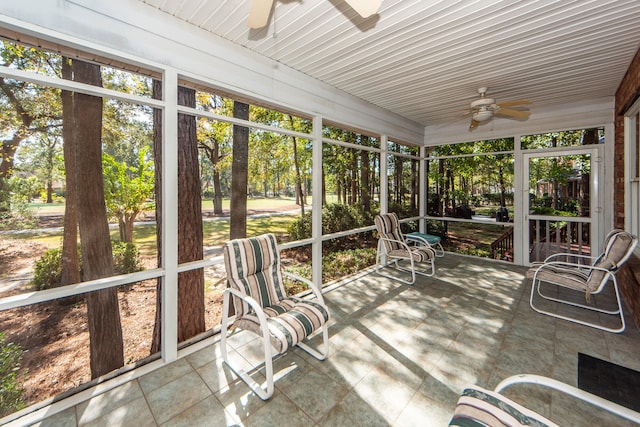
(252, 203)
(216, 232)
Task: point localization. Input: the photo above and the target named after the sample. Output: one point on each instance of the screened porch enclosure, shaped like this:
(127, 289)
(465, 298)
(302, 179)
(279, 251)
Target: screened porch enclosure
(184, 115)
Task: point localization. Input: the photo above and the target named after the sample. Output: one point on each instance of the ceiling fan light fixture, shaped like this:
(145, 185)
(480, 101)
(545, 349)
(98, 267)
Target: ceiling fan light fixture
(482, 115)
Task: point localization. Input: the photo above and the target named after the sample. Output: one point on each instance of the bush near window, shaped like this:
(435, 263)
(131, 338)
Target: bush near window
(335, 217)
(10, 391)
(48, 269)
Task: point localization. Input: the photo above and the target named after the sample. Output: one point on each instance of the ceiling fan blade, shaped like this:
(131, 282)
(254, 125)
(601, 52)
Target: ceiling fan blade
(365, 8)
(513, 113)
(474, 124)
(512, 103)
(259, 13)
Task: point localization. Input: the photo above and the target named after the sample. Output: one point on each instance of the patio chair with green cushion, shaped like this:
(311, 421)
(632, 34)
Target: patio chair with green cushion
(426, 239)
(478, 407)
(586, 275)
(262, 306)
(393, 249)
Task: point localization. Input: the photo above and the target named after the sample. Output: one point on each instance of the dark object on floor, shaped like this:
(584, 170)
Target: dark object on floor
(609, 381)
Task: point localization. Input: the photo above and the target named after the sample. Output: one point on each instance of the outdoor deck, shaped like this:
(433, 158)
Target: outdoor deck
(400, 356)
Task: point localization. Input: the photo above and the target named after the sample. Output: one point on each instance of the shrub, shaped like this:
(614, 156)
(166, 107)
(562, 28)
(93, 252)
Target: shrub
(14, 208)
(300, 228)
(48, 269)
(335, 217)
(126, 258)
(10, 391)
(344, 263)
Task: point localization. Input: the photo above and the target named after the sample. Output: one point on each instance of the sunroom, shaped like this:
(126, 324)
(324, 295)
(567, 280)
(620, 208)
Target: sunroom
(184, 129)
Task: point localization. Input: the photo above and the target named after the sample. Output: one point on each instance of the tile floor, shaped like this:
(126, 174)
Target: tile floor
(400, 356)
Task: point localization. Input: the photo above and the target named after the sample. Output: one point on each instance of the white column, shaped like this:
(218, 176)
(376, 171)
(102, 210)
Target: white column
(384, 187)
(520, 216)
(316, 203)
(422, 196)
(170, 216)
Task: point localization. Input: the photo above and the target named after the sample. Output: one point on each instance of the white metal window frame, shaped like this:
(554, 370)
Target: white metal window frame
(595, 212)
(631, 170)
(170, 110)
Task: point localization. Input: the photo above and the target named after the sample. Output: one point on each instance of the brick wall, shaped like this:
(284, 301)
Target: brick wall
(627, 93)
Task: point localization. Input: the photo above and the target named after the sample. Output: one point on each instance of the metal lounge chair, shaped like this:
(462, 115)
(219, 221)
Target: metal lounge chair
(393, 249)
(262, 306)
(480, 407)
(586, 275)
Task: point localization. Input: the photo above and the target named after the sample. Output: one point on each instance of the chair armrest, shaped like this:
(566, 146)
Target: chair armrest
(573, 265)
(420, 239)
(403, 243)
(584, 268)
(255, 305)
(307, 282)
(571, 391)
(568, 254)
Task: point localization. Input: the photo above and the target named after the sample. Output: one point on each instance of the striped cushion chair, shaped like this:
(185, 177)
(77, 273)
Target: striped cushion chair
(586, 275)
(393, 249)
(478, 407)
(262, 306)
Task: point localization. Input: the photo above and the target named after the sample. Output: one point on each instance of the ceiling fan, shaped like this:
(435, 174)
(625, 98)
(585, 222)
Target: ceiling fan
(483, 109)
(261, 9)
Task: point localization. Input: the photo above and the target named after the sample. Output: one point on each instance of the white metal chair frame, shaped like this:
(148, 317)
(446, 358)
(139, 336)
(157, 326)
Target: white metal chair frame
(609, 275)
(567, 389)
(262, 392)
(385, 259)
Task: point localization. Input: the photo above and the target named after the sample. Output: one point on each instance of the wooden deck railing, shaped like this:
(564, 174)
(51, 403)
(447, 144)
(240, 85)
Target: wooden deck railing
(502, 247)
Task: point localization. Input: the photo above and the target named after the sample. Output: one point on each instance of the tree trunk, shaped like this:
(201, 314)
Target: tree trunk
(157, 159)
(70, 260)
(213, 154)
(365, 197)
(217, 191)
(441, 201)
(503, 187)
(414, 185)
(300, 200)
(353, 196)
(239, 166)
(105, 330)
(125, 227)
(190, 283)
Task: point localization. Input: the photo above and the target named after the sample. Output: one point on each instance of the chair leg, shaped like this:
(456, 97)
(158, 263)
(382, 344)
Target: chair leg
(262, 393)
(535, 288)
(318, 354)
(380, 264)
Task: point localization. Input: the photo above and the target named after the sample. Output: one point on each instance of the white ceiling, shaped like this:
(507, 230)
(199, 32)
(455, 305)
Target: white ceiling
(425, 59)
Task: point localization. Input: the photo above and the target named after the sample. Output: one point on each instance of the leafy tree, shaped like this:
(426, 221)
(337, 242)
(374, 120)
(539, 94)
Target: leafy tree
(41, 157)
(26, 109)
(127, 189)
(214, 142)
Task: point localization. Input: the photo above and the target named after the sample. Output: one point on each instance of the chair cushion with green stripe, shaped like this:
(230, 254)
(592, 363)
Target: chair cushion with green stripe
(290, 321)
(481, 408)
(253, 267)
